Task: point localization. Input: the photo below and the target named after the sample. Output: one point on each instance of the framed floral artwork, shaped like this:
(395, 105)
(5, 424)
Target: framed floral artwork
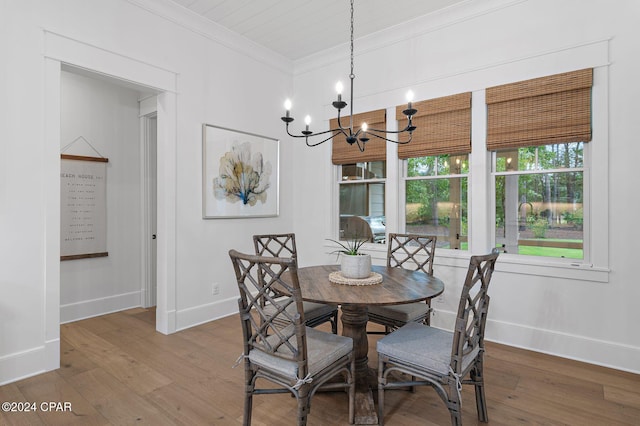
(240, 174)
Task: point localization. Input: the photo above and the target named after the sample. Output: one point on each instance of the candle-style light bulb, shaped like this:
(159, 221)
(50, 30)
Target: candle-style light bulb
(339, 88)
(364, 127)
(287, 115)
(409, 97)
(307, 121)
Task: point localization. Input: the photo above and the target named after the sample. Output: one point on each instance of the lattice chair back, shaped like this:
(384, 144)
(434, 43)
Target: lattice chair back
(258, 277)
(284, 245)
(276, 245)
(468, 337)
(411, 251)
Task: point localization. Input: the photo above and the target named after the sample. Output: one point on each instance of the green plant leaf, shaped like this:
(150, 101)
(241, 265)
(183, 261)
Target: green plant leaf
(350, 247)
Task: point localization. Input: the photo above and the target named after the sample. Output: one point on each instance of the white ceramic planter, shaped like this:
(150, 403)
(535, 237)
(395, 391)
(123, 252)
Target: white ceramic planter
(358, 266)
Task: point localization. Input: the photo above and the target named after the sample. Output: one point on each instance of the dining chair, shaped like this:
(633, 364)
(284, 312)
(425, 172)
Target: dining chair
(284, 245)
(443, 359)
(288, 354)
(414, 252)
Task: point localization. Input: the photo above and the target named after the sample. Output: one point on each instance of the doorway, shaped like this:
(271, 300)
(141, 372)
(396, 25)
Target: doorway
(99, 118)
(61, 52)
(149, 126)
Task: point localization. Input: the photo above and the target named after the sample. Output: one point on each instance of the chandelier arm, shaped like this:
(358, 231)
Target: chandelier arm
(322, 141)
(344, 129)
(316, 134)
(395, 132)
(390, 140)
(409, 128)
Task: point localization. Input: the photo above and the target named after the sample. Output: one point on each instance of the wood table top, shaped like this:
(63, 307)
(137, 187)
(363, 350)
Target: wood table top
(398, 286)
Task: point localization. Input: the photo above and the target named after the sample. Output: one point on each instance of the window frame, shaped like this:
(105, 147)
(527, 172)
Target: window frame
(340, 181)
(594, 266)
(402, 200)
(586, 160)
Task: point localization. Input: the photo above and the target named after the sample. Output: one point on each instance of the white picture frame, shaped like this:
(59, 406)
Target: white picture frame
(240, 174)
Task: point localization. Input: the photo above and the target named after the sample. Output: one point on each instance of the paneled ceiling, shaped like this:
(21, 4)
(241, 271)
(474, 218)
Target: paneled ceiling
(298, 28)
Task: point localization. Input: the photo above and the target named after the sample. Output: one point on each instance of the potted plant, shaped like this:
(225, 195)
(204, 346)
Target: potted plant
(353, 264)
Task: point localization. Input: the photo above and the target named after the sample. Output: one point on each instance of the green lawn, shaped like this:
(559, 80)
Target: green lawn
(544, 251)
(551, 252)
(567, 253)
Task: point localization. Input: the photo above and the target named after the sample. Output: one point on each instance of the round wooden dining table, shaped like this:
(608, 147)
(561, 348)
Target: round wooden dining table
(398, 286)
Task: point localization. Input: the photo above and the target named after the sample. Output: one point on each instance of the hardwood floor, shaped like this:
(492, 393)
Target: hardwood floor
(116, 369)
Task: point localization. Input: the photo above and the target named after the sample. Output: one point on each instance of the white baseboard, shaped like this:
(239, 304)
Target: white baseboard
(204, 313)
(105, 305)
(52, 354)
(166, 321)
(615, 355)
(20, 365)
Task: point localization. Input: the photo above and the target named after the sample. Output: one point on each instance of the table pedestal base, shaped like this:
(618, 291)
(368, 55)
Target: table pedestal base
(354, 325)
(365, 408)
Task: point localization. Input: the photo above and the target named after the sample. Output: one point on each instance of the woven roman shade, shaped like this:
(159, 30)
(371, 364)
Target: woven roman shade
(375, 149)
(541, 111)
(443, 127)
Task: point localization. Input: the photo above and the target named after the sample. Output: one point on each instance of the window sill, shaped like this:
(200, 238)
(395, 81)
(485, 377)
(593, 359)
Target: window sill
(513, 264)
(556, 268)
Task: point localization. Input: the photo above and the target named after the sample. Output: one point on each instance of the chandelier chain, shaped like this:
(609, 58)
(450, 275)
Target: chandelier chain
(351, 75)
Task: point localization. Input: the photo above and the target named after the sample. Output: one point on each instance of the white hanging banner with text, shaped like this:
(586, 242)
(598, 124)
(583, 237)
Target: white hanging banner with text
(83, 207)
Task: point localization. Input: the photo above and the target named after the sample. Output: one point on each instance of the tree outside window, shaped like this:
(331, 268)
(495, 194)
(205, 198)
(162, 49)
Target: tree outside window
(436, 198)
(540, 200)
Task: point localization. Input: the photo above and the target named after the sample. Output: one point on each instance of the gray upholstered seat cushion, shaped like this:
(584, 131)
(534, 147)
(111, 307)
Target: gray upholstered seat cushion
(323, 349)
(406, 313)
(311, 310)
(422, 346)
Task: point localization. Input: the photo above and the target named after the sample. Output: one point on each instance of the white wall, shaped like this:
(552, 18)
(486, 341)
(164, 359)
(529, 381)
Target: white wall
(584, 312)
(105, 115)
(221, 79)
(216, 77)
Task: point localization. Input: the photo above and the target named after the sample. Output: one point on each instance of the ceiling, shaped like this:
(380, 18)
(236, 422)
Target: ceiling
(298, 28)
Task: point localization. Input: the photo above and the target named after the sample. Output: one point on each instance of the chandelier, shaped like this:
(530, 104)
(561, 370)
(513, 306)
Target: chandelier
(361, 136)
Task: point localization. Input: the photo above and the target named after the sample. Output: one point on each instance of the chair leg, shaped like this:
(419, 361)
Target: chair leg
(303, 409)
(477, 377)
(248, 405)
(334, 323)
(381, 392)
(248, 395)
(454, 404)
(427, 320)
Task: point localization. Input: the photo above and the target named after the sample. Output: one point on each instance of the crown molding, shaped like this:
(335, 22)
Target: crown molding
(408, 30)
(199, 25)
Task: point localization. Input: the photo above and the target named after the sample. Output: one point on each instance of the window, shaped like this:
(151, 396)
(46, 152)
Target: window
(537, 130)
(540, 200)
(435, 178)
(436, 198)
(362, 195)
(361, 181)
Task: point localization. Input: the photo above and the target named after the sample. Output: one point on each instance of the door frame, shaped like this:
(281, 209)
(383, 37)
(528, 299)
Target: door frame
(149, 207)
(62, 51)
